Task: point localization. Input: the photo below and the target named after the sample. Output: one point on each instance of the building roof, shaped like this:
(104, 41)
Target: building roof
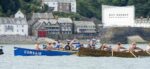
(45, 23)
(84, 23)
(42, 15)
(17, 21)
(21, 15)
(108, 6)
(62, 1)
(65, 20)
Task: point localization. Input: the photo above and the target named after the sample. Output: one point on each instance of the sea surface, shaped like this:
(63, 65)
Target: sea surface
(9, 61)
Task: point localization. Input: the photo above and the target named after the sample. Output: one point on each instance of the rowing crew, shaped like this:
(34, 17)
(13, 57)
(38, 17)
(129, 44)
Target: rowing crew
(120, 48)
(58, 46)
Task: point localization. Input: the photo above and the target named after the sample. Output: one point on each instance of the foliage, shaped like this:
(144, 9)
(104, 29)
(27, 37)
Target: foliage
(92, 8)
(10, 7)
(74, 16)
(85, 8)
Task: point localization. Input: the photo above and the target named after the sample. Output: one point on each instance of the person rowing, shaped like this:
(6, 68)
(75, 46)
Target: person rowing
(49, 46)
(57, 45)
(119, 48)
(71, 44)
(37, 46)
(67, 47)
(104, 47)
(134, 48)
(91, 44)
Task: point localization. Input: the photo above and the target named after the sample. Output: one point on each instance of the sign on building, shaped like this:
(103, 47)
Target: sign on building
(116, 16)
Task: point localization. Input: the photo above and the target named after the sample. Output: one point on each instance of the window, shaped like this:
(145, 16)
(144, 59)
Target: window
(22, 30)
(9, 28)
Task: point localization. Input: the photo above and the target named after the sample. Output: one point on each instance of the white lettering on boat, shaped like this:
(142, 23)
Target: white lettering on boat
(32, 52)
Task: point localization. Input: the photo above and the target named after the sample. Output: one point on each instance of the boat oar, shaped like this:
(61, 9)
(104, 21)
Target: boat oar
(133, 54)
(112, 53)
(147, 52)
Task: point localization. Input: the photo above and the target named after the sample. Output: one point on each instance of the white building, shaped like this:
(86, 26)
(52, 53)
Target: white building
(61, 5)
(114, 16)
(84, 27)
(14, 26)
(19, 14)
(142, 22)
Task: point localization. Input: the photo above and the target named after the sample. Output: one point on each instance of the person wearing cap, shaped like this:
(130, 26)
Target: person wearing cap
(119, 48)
(134, 48)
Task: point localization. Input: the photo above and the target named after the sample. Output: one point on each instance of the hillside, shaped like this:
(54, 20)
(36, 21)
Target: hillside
(88, 8)
(10, 7)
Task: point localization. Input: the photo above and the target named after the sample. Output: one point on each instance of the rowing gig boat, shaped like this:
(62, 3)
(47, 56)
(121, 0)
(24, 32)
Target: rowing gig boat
(97, 53)
(32, 52)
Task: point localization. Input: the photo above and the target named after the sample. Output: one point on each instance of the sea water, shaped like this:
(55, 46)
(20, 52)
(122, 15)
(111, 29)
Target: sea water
(9, 61)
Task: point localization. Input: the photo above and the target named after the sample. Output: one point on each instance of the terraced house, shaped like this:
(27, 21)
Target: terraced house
(84, 28)
(46, 28)
(66, 25)
(38, 19)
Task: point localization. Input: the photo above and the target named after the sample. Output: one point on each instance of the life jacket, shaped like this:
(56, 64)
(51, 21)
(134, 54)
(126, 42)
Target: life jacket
(44, 46)
(67, 47)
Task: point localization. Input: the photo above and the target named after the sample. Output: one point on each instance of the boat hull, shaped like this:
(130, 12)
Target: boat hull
(98, 53)
(31, 52)
(1, 51)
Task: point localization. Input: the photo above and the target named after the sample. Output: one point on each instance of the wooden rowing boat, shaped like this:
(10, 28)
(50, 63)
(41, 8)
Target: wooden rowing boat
(32, 52)
(97, 53)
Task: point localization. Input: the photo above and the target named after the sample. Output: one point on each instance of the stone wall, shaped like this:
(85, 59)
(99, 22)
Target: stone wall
(120, 34)
(16, 39)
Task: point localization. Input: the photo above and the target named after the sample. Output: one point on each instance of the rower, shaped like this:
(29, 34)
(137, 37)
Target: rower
(67, 47)
(119, 48)
(104, 47)
(37, 45)
(57, 45)
(134, 48)
(49, 46)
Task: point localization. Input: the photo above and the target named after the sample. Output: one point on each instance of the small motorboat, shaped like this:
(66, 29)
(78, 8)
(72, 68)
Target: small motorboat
(99, 53)
(32, 52)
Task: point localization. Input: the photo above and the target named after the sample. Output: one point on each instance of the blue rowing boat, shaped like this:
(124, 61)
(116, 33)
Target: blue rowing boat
(32, 52)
